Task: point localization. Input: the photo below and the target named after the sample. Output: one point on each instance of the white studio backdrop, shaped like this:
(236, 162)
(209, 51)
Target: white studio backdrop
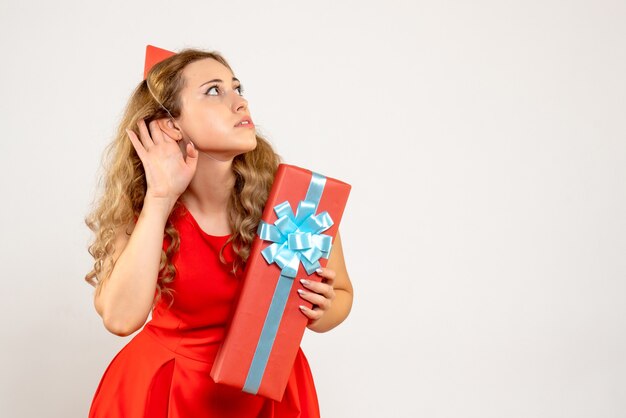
(484, 235)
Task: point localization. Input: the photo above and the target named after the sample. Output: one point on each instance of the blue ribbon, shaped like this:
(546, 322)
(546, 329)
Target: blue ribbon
(296, 239)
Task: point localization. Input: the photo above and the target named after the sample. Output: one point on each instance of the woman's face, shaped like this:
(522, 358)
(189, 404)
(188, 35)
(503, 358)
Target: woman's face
(211, 109)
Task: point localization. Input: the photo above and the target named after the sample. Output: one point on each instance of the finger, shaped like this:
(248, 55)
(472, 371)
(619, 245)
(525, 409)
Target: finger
(313, 314)
(319, 287)
(326, 272)
(328, 275)
(156, 133)
(315, 299)
(144, 135)
(141, 152)
(167, 138)
(330, 282)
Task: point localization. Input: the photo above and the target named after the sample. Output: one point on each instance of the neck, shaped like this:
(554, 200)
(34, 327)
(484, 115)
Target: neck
(211, 186)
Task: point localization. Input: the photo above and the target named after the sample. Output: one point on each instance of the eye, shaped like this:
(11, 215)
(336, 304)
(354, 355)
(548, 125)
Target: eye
(211, 88)
(239, 87)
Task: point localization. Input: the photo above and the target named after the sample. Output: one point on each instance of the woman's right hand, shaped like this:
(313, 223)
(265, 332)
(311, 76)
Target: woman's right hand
(167, 172)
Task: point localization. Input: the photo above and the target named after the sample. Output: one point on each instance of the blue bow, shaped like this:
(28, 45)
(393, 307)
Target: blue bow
(296, 238)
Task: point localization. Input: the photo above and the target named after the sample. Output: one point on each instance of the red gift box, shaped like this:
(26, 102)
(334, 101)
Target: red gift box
(299, 222)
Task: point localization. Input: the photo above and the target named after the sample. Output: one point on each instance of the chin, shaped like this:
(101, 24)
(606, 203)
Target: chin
(253, 144)
(251, 147)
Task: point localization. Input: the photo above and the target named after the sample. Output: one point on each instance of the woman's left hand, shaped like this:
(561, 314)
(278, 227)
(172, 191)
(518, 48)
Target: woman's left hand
(320, 294)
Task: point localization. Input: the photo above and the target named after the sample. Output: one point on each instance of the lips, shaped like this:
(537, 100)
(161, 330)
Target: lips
(245, 119)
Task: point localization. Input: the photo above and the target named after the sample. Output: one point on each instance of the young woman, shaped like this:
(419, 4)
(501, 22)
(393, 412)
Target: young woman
(185, 186)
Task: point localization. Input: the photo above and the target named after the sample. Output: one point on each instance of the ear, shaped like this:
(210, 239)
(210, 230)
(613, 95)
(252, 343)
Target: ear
(170, 128)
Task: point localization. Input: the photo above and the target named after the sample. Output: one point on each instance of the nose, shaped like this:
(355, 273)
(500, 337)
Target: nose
(239, 102)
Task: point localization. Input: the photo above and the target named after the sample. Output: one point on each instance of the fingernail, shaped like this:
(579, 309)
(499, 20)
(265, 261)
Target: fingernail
(302, 307)
(301, 291)
(319, 270)
(304, 282)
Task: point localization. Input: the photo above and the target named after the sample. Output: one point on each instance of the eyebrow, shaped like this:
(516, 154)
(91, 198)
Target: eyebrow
(216, 80)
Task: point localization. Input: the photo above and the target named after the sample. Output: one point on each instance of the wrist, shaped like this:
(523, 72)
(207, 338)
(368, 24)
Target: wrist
(160, 205)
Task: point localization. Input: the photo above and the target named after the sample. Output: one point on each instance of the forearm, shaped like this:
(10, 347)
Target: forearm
(128, 293)
(338, 312)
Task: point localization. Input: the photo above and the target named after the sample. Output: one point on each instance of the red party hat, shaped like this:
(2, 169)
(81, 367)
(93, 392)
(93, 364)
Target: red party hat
(154, 55)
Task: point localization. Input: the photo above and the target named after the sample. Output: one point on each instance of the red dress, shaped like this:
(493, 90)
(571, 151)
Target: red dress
(164, 371)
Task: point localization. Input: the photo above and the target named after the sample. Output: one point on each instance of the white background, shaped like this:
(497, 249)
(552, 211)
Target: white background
(484, 235)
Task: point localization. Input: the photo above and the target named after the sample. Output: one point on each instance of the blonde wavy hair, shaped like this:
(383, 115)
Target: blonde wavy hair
(121, 200)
